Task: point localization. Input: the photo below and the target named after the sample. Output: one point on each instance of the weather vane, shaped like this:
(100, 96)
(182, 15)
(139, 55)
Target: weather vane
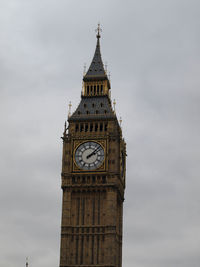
(98, 30)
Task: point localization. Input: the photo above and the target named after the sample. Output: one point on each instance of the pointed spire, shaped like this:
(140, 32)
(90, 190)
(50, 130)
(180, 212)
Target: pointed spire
(96, 69)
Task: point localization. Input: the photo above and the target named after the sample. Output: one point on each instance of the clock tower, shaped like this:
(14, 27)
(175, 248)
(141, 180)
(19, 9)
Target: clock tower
(93, 176)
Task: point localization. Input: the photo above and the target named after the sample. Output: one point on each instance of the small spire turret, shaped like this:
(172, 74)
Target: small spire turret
(120, 121)
(69, 111)
(114, 104)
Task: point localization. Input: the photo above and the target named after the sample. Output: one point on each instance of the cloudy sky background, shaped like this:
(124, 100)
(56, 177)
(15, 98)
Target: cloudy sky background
(152, 50)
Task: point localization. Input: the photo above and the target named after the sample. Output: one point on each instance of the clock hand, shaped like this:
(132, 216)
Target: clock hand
(94, 152)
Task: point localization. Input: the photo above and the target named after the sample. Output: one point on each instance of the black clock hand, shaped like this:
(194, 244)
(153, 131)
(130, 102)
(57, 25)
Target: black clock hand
(94, 152)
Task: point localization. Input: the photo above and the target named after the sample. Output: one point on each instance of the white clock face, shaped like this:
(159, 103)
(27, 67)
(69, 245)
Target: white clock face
(89, 155)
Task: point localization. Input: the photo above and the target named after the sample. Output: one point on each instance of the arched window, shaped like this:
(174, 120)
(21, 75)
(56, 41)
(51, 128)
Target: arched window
(101, 89)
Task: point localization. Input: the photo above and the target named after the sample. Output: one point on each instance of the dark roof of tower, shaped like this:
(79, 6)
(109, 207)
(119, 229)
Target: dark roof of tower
(96, 70)
(93, 108)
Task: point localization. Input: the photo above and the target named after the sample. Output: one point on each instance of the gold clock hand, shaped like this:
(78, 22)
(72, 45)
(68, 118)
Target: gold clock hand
(94, 152)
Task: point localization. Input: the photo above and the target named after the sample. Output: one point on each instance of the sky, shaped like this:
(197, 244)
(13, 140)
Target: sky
(152, 51)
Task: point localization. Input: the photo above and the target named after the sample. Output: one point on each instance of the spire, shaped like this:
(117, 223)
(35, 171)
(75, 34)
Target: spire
(96, 69)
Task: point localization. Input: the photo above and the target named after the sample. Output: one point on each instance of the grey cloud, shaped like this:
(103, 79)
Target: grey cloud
(152, 50)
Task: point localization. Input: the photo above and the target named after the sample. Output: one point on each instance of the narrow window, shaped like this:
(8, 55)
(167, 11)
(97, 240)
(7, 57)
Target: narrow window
(86, 127)
(101, 104)
(92, 256)
(98, 249)
(93, 211)
(105, 127)
(104, 179)
(87, 112)
(91, 89)
(88, 89)
(97, 89)
(101, 89)
(81, 128)
(83, 211)
(78, 210)
(91, 127)
(99, 208)
(88, 179)
(94, 89)
(82, 249)
(96, 127)
(105, 111)
(85, 105)
(101, 127)
(77, 239)
(77, 127)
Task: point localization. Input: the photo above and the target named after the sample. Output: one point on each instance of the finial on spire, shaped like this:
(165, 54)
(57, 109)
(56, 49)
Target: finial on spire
(114, 104)
(26, 261)
(106, 67)
(84, 69)
(120, 121)
(69, 111)
(98, 30)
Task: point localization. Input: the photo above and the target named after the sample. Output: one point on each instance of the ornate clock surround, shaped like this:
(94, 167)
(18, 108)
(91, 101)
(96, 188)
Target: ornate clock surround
(77, 143)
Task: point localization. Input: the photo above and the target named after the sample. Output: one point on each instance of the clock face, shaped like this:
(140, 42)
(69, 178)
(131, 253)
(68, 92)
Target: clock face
(89, 155)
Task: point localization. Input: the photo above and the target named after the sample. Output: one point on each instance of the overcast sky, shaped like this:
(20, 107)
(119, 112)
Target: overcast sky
(152, 48)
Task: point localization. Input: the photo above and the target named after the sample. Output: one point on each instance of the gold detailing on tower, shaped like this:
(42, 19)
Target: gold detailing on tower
(95, 88)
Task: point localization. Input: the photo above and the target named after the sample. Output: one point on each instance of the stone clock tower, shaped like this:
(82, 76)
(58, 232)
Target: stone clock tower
(93, 176)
